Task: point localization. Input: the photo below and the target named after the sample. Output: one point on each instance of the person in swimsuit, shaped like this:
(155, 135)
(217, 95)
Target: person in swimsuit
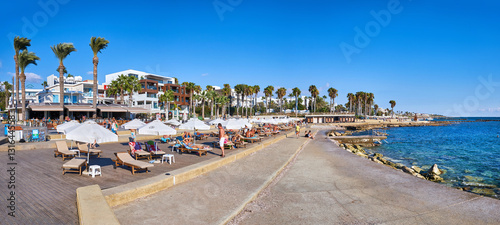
(222, 138)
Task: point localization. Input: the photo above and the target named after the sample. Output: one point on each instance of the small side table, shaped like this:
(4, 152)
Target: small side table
(75, 150)
(170, 158)
(95, 170)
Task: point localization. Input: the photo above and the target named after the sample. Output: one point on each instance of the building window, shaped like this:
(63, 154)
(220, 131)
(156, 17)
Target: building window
(55, 98)
(169, 82)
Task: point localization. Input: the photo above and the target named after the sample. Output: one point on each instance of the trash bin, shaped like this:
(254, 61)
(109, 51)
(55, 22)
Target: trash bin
(6, 132)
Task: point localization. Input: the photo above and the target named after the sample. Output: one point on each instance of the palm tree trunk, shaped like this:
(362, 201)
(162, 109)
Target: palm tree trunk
(95, 60)
(61, 90)
(23, 80)
(203, 108)
(122, 100)
(17, 80)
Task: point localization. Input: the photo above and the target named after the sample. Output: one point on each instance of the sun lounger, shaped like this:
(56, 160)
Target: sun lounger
(74, 165)
(154, 150)
(200, 151)
(84, 148)
(123, 158)
(241, 144)
(139, 154)
(252, 139)
(62, 150)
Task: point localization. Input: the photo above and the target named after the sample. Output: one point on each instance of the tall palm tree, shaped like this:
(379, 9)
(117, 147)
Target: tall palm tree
(203, 97)
(350, 98)
(25, 58)
(296, 93)
(239, 92)
(256, 90)
(281, 92)
(62, 50)
(248, 91)
(7, 87)
(369, 102)
(393, 103)
(96, 44)
(122, 81)
(190, 86)
(166, 98)
(268, 92)
(375, 107)
(209, 89)
(226, 91)
(314, 94)
(114, 89)
(20, 44)
(332, 93)
(132, 85)
(359, 98)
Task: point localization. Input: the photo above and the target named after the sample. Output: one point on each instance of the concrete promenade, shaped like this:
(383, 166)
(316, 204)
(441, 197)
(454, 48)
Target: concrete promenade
(328, 185)
(214, 197)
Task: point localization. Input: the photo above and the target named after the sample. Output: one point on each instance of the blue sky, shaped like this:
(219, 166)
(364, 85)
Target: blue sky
(436, 57)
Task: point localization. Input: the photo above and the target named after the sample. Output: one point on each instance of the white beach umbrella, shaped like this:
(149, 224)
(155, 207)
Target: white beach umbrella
(194, 123)
(62, 127)
(173, 121)
(216, 121)
(89, 122)
(157, 128)
(90, 132)
(133, 124)
(233, 124)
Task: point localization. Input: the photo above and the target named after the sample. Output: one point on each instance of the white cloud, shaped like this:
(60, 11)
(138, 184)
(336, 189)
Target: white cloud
(204, 74)
(490, 110)
(33, 78)
(30, 77)
(90, 72)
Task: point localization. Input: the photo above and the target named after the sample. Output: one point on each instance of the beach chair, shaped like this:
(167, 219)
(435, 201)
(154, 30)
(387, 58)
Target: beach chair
(84, 148)
(251, 139)
(153, 149)
(124, 159)
(62, 150)
(200, 151)
(137, 152)
(240, 144)
(74, 165)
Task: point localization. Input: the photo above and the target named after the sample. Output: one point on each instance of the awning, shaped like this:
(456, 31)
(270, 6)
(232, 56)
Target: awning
(137, 110)
(79, 108)
(46, 108)
(107, 108)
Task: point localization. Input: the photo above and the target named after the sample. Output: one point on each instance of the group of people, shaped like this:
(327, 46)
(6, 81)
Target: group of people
(112, 125)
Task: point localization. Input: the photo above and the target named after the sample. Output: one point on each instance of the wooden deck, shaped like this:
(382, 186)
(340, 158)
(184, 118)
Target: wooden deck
(45, 196)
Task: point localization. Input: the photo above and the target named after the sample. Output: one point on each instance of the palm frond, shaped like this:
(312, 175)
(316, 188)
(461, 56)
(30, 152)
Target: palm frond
(62, 50)
(97, 44)
(26, 58)
(21, 43)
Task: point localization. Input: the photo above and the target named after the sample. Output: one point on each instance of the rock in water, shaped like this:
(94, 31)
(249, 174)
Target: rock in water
(434, 170)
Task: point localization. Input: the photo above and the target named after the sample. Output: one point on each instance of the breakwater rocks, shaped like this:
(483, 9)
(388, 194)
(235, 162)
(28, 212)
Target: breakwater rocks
(369, 126)
(432, 174)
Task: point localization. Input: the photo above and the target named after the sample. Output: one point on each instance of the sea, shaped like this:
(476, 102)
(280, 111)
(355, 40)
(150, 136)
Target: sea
(468, 151)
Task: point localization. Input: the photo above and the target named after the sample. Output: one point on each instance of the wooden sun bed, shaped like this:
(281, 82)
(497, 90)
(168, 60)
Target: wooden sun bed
(184, 148)
(84, 148)
(124, 158)
(74, 165)
(251, 139)
(140, 154)
(62, 150)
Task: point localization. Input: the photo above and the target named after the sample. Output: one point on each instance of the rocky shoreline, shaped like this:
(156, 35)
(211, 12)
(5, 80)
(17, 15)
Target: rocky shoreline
(432, 174)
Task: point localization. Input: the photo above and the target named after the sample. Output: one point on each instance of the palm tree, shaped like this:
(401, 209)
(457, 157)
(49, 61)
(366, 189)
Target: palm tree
(20, 44)
(359, 98)
(314, 94)
(25, 58)
(45, 84)
(393, 103)
(350, 98)
(122, 81)
(296, 93)
(226, 91)
(62, 50)
(281, 92)
(209, 89)
(332, 93)
(268, 92)
(7, 87)
(190, 86)
(166, 98)
(113, 89)
(256, 90)
(239, 92)
(370, 99)
(247, 93)
(376, 108)
(96, 44)
(176, 81)
(132, 85)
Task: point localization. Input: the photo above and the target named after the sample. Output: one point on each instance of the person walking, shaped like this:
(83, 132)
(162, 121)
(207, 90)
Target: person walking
(297, 130)
(222, 138)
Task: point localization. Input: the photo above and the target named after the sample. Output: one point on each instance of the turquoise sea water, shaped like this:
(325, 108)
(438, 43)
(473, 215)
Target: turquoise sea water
(468, 151)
